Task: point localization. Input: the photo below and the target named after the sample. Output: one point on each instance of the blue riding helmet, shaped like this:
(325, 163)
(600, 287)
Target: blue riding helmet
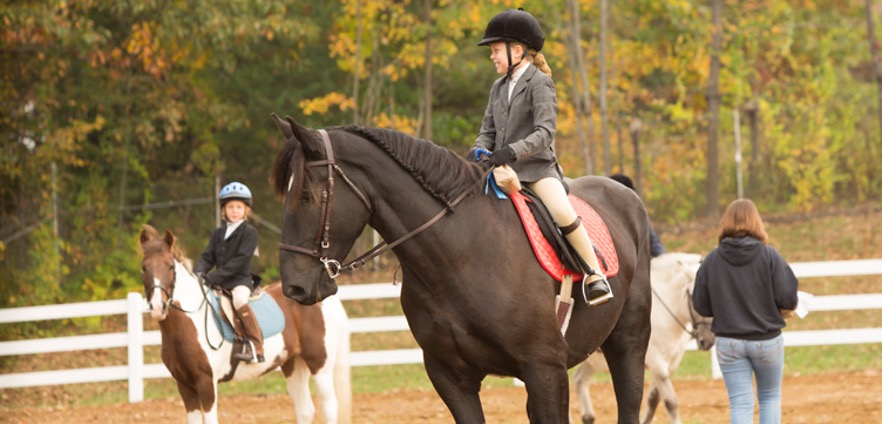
(235, 191)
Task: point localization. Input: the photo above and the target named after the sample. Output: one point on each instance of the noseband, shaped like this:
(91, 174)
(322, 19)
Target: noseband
(323, 235)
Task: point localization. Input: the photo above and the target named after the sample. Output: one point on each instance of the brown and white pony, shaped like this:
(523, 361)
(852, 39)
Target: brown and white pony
(315, 340)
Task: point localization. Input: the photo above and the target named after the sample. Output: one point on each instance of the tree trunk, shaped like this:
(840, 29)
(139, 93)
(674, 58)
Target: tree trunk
(355, 68)
(877, 61)
(604, 111)
(585, 97)
(751, 109)
(427, 72)
(635, 128)
(713, 101)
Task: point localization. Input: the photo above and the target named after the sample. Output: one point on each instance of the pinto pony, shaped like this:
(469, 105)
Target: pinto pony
(314, 341)
(674, 323)
(476, 299)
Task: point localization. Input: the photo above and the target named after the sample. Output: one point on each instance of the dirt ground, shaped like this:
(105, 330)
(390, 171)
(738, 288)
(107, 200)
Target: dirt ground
(846, 398)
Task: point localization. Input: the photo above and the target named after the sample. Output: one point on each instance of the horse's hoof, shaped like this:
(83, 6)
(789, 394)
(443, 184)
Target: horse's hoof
(587, 420)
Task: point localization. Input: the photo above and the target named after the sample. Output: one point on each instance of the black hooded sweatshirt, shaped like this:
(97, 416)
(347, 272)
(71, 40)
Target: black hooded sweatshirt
(743, 284)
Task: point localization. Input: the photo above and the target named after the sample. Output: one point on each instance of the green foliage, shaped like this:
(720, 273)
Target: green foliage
(138, 105)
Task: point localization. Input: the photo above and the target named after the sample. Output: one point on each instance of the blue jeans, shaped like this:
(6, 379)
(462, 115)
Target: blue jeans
(739, 361)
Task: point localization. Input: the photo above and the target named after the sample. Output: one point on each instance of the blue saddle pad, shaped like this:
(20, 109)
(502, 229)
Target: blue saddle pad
(267, 311)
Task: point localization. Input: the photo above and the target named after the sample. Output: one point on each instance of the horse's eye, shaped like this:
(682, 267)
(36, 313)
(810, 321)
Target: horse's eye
(305, 196)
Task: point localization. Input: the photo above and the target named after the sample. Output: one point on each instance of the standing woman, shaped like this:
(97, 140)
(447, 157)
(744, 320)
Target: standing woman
(744, 284)
(519, 125)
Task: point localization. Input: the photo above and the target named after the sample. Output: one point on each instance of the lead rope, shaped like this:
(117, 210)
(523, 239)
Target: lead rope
(671, 313)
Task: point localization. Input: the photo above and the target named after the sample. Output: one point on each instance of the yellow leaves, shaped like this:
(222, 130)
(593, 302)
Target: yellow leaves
(321, 105)
(62, 143)
(144, 45)
(396, 122)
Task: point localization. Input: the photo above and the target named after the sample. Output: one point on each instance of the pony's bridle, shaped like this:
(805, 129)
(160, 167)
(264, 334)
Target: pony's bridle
(168, 293)
(322, 240)
(695, 322)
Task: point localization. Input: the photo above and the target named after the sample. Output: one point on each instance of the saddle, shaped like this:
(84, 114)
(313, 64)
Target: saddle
(552, 250)
(266, 310)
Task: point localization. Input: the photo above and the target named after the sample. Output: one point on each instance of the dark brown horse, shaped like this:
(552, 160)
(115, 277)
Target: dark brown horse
(476, 299)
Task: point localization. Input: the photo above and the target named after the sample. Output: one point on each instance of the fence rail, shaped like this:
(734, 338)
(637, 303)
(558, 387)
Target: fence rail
(134, 306)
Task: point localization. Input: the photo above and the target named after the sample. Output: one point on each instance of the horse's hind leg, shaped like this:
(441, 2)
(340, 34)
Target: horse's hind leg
(582, 381)
(625, 352)
(297, 378)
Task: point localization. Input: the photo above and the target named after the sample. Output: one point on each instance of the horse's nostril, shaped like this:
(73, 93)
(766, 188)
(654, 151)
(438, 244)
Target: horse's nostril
(294, 292)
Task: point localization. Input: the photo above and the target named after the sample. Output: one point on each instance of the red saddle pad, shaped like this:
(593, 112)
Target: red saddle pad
(545, 254)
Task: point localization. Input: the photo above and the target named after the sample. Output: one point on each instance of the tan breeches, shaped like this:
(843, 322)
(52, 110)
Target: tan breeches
(551, 192)
(241, 294)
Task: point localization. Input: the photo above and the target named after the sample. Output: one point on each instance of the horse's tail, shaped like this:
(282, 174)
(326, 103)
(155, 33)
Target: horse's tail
(342, 365)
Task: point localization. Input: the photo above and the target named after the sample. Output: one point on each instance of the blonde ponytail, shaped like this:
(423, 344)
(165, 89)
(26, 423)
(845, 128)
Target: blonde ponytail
(540, 63)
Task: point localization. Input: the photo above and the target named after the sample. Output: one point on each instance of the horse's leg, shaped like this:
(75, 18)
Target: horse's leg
(625, 352)
(652, 399)
(547, 390)
(191, 403)
(207, 387)
(297, 377)
(459, 394)
(324, 384)
(582, 380)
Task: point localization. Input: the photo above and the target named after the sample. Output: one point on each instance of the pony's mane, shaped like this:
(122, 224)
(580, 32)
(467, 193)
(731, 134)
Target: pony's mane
(441, 172)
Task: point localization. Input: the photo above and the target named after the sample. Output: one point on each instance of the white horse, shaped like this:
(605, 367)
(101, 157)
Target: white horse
(674, 323)
(315, 340)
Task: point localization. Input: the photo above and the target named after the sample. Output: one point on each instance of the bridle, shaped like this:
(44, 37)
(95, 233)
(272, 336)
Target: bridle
(322, 240)
(696, 322)
(169, 293)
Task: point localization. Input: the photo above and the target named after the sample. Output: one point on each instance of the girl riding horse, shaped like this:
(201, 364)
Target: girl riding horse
(229, 251)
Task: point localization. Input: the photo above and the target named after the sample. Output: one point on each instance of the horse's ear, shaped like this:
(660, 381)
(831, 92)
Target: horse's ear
(283, 126)
(148, 233)
(169, 239)
(309, 138)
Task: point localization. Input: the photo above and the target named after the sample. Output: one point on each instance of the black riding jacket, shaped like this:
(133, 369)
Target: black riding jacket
(743, 284)
(231, 258)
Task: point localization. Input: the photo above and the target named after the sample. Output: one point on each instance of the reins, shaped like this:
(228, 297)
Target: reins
(322, 241)
(694, 332)
(202, 288)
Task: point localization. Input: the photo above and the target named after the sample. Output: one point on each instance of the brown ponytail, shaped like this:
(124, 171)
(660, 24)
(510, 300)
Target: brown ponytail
(540, 63)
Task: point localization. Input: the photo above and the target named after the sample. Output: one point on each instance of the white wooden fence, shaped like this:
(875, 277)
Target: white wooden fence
(134, 306)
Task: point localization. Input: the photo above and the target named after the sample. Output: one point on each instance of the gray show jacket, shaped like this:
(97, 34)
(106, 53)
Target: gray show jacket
(526, 124)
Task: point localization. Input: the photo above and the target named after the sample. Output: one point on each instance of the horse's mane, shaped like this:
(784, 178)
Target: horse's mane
(441, 172)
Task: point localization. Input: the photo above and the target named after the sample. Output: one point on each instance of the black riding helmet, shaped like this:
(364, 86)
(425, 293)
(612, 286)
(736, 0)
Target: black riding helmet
(514, 25)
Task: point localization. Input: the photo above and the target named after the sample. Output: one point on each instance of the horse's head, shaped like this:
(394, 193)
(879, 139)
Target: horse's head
(324, 211)
(701, 326)
(158, 270)
(678, 271)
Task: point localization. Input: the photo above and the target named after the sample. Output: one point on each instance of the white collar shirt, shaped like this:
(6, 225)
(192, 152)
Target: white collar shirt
(231, 226)
(515, 77)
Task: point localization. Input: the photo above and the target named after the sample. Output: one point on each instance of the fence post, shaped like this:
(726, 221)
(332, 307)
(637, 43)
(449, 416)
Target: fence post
(716, 373)
(136, 346)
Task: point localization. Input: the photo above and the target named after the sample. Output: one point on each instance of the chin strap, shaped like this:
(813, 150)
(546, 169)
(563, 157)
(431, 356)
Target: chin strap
(511, 67)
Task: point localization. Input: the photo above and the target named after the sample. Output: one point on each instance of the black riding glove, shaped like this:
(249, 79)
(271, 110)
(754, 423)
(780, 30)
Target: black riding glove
(503, 156)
